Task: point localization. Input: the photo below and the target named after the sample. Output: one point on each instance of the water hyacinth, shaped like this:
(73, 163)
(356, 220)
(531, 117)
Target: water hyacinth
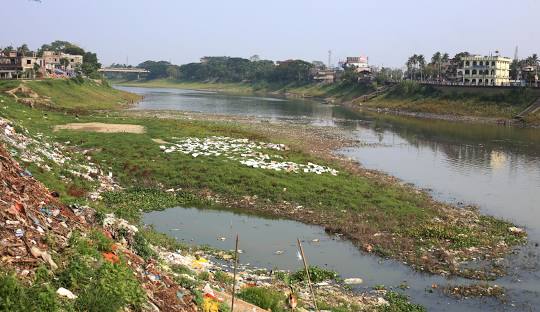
(246, 152)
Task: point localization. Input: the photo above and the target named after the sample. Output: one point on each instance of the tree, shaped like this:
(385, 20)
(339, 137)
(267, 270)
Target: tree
(254, 58)
(436, 62)
(421, 65)
(7, 49)
(23, 50)
(157, 69)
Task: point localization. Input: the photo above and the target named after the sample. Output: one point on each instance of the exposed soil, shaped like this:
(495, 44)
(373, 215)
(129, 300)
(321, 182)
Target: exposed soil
(102, 127)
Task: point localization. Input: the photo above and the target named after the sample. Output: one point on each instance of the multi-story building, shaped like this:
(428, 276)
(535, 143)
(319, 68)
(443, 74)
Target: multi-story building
(360, 63)
(485, 70)
(10, 65)
(53, 60)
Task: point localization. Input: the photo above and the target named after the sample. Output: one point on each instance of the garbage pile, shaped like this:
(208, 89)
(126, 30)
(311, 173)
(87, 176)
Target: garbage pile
(163, 292)
(246, 152)
(36, 150)
(30, 216)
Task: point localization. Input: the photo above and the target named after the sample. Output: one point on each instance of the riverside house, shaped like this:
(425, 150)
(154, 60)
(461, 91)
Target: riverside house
(479, 70)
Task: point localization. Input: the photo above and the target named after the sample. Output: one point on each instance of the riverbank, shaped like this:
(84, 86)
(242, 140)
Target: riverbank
(375, 211)
(78, 176)
(472, 105)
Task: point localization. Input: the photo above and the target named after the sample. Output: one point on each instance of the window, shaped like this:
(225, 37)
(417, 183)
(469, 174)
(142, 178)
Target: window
(481, 63)
(467, 72)
(467, 63)
(72, 60)
(479, 80)
(28, 62)
(473, 81)
(492, 72)
(493, 63)
(474, 72)
(474, 63)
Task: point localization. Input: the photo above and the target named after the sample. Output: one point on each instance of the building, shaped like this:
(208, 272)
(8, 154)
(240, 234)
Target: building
(484, 70)
(325, 75)
(360, 63)
(52, 64)
(10, 65)
(53, 61)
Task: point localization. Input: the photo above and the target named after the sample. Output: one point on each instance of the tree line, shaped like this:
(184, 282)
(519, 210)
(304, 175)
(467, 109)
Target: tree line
(232, 69)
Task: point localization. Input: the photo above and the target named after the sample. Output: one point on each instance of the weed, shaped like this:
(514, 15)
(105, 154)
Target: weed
(141, 246)
(264, 297)
(399, 303)
(223, 277)
(316, 275)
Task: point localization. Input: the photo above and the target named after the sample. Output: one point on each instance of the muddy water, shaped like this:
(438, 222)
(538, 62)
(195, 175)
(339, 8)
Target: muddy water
(493, 167)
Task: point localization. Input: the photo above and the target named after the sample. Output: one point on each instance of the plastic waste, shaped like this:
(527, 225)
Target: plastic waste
(62, 292)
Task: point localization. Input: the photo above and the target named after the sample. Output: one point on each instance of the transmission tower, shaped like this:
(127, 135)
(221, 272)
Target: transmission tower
(516, 53)
(329, 59)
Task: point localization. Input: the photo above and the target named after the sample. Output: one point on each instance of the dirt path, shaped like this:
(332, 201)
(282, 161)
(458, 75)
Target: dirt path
(102, 127)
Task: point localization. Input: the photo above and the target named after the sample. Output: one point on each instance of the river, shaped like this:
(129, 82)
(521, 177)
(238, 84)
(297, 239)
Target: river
(493, 167)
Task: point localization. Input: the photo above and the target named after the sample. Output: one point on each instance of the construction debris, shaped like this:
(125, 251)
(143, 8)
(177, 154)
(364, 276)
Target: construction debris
(244, 151)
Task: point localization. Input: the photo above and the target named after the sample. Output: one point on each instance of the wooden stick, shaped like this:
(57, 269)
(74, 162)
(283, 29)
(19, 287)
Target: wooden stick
(307, 274)
(234, 274)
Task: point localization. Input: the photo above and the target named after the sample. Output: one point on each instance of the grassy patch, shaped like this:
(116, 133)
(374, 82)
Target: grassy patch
(316, 275)
(79, 95)
(399, 303)
(265, 298)
(411, 96)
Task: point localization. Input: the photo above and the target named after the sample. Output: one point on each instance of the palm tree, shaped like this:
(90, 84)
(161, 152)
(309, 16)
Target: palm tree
(422, 64)
(436, 61)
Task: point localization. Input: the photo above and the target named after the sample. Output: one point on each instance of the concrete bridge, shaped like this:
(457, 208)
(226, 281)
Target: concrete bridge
(132, 70)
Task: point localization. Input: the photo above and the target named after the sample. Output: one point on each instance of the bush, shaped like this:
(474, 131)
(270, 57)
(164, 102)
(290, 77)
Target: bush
(264, 298)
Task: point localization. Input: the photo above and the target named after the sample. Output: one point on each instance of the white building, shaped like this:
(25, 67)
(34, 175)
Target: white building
(479, 70)
(359, 62)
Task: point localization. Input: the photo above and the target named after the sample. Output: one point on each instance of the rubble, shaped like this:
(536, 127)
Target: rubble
(244, 151)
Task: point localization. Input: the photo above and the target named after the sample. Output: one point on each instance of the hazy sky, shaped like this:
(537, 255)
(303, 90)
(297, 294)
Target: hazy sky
(388, 31)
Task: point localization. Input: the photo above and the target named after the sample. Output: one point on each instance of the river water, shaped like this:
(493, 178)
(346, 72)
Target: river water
(496, 168)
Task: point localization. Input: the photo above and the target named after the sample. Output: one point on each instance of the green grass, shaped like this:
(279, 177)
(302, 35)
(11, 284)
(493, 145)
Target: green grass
(413, 97)
(79, 96)
(99, 285)
(265, 298)
(370, 205)
(399, 303)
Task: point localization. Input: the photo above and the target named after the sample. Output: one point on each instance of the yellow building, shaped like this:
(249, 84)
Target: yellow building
(485, 70)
